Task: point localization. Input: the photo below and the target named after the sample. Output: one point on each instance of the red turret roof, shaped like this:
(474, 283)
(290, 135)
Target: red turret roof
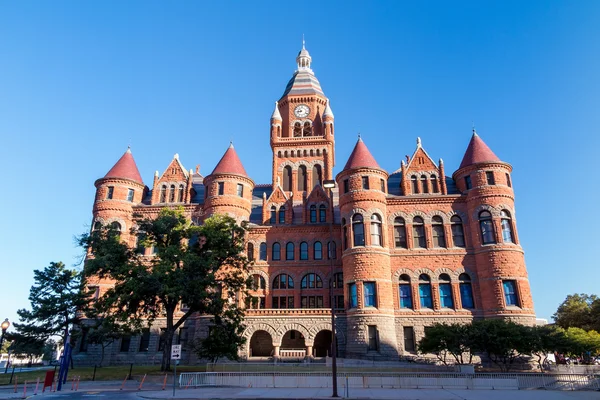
(230, 164)
(125, 168)
(477, 152)
(361, 157)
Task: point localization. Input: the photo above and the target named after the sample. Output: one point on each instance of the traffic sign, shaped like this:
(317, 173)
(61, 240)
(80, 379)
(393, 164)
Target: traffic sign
(176, 352)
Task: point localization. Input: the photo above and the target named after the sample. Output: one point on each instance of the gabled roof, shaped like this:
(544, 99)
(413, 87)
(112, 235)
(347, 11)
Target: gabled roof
(426, 164)
(361, 157)
(230, 163)
(477, 152)
(125, 168)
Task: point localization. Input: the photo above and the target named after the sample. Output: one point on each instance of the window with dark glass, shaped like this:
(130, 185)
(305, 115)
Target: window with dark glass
(322, 213)
(338, 280)
(345, 231)
(419, 233)
(487, 228)
(399, 233)
(283, 301)
(510, 293)
(221, 186)
(282, 215)
(405, 292)
(289, 251)
(346, 186)
(445, 287)
(240, 190)
(163, 194)
(376, 239)
(338, 301)
(283, 281)
(313, 213)
(489, 176)
(130, 193)
(353, 295)
(125, 343)
(370, 295)
(273, 218)
(301, 178)
(425, 291)
(172, 194)
(258, 282)
(311, 301)
(409, 338)
(506, 222)
(297, 129)
(110, 192)
(276, 252)
(468, 182)
(508, 182)
(181, 192)
(358, 230)
(263, 252)
(311, 281)
(373, 334)
(415, 184)
(458, 234)
(183, 337)
(139, 247)
(382, 181)
(316, 175)
(434, 184)
(466, 291)
(145, 340)
(304, 251)
(365, 182)
(250, 252)
(424, 184)
(318, 251)
(331, 251)
(437, 227)
(287, 178)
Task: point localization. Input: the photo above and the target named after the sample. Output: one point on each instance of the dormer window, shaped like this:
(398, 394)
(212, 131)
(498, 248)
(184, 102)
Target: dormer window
(163, 194)
(415, 184)
(172, 196)
(181, 190)
(434, 184)
(424, 184)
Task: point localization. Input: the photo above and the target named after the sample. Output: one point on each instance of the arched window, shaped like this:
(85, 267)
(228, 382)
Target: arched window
(307, 131)
(163, 194)
(376, 239)
(262, 253)
(358, 230)
(318, 251)
(434, 184)
(276, 252)
(181, 190)
(425, 291)
(250, 252)
(415, 184)
(487, 228)
(331, 251)
(287, 178)
(405, 292)
(345, 244)
(399, 233)
(289, 251)
(301, 178)
(424, 184)
(507, 234)
(258, 282)
(273, 219)
(466, 292)
(282, 215)
(445, 291)
(437, 227)
(338, 280)
(283, 281)
(311, 281)
(313, 213)
(419, 233)
(316, 175)
(172, 194)
(297, 129)
(303, 251)
(322, 213)
(115, 226)
(458, 234)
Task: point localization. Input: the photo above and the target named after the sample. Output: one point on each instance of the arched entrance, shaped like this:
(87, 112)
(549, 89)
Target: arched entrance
(261, 344)
(322, 346)
(293, 345)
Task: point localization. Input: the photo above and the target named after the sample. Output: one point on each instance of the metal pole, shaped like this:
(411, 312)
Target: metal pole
(174, 377)
(7, 362)
(332, 302)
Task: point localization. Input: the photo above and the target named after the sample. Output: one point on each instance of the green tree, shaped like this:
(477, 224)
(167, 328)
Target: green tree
(224, 337)
(453, 339)
(583, 343)
(27, 345)
(545, 340)
(504, 342)
(576, 312)
(56, 297)
(202, 267)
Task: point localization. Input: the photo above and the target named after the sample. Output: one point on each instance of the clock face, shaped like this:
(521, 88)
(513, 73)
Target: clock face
(302, 111)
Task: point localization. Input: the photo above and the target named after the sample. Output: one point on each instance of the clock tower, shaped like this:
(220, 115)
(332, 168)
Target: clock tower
(302, 133)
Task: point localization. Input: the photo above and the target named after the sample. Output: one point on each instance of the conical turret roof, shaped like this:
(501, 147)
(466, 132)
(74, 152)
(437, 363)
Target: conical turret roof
(361, 157)
(125, 168)
(230, 163)
(477, 152)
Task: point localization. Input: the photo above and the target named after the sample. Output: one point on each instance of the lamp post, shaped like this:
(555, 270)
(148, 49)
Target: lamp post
(5, 325)
(329, 185)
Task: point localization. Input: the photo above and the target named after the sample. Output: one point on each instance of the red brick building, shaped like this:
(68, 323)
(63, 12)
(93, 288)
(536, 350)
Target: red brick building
(401, 250)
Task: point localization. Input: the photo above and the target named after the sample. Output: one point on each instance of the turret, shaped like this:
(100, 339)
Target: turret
(116, 194)
(366, 261)
(485, 180)
(228, 188)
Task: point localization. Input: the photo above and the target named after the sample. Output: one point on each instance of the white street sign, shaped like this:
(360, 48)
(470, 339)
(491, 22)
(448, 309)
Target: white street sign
(176, 352)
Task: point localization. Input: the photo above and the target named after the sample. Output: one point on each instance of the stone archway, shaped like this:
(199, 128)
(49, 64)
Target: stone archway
(261, 344)
(322, 345)
(293, 339)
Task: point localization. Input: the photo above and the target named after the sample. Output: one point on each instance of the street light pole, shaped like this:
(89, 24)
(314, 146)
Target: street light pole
(5, 325)
(329, 185)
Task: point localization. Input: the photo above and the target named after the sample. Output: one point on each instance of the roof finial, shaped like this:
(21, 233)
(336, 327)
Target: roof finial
(418, 141)
(176, 156)
(231, 144)
(474, 131)
(303, 42)
(359, 138)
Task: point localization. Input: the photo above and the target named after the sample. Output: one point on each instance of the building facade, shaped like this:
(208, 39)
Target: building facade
(400, 250)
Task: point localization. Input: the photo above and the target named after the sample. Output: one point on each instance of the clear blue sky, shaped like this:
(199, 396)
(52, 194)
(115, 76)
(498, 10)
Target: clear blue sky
(79, 81)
